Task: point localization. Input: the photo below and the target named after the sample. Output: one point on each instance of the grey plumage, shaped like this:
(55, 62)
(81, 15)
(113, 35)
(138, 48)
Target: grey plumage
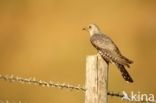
(109, 51)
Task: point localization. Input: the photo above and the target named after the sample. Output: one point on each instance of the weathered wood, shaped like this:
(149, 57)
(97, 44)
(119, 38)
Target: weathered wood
(102, 80)
(91, 80)
(96, 80)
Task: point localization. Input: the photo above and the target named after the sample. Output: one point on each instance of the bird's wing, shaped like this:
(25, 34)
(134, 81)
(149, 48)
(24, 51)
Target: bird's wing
(104, 42)
(108, 48)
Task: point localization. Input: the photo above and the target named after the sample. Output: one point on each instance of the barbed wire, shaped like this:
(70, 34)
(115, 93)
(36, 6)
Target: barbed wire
(12, 78)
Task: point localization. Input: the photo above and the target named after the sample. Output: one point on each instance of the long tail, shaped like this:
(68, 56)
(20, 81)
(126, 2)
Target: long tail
(124, 73)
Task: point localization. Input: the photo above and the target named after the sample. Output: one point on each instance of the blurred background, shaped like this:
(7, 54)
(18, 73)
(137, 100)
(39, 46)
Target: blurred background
(44, 39)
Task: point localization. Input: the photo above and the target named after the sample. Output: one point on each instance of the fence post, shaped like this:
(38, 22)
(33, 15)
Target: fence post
(96, 80)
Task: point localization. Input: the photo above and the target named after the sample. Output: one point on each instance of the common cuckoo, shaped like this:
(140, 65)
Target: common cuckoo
(108, 50)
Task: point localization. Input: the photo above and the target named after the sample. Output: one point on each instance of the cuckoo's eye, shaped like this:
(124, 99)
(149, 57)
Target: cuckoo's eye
(90, 27)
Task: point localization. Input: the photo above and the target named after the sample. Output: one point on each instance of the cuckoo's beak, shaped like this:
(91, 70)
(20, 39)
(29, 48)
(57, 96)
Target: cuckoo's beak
(85, 28)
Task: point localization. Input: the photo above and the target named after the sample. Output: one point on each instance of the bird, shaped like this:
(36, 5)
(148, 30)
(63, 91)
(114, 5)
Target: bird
(109, 50)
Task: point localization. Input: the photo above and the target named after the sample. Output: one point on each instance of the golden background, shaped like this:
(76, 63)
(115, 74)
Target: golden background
(44, 39)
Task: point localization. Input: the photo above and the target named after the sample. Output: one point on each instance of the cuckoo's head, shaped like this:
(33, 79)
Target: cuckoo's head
(92, 29)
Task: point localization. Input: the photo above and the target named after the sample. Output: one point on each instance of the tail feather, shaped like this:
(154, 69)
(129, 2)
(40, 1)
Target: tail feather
(125, 61)
(128, 60)
(124, 73)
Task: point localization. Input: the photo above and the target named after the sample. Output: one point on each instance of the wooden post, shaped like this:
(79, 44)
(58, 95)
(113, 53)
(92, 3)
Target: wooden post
(96, 80)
